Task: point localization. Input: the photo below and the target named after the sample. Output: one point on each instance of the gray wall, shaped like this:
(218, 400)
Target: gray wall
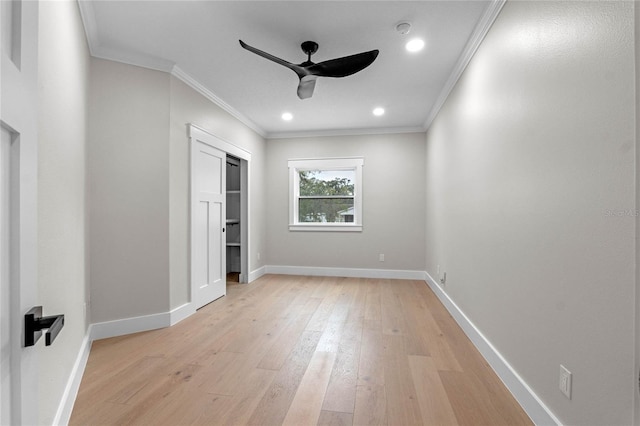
(129, 184)
(531, 200)
(188, 106)
(530, 178)
(637, 323)
(139, 170)
(393, 204)
(63, 91)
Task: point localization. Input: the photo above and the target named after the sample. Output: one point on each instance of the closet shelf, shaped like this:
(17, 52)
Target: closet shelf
(233, 191)
(233, 221)
(233, 244)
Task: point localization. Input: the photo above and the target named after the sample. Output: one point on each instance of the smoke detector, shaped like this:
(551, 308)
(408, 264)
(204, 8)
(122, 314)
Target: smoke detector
(403, 27)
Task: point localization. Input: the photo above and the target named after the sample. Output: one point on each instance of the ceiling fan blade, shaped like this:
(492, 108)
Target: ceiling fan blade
(345, 66)
(296, 68)
(306, 86)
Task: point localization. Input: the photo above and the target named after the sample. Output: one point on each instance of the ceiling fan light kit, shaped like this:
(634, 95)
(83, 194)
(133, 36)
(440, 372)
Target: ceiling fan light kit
(308, 71)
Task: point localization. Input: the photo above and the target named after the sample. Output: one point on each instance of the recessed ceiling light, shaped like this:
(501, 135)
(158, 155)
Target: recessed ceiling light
(378, 111)
(287, 116)
(414, 45)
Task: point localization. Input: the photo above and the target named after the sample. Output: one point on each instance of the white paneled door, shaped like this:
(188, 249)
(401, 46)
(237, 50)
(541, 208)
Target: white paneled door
(208, 223)
(18, 208)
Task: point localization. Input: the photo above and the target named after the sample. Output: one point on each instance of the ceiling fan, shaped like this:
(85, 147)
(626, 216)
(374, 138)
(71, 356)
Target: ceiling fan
(308, 71)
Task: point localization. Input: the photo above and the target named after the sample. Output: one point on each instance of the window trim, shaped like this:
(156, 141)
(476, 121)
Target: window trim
(346, 163)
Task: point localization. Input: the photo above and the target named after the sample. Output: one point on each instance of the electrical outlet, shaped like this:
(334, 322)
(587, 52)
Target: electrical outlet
(258, 256)
(565, 381)
(443, 279)
(381, 257)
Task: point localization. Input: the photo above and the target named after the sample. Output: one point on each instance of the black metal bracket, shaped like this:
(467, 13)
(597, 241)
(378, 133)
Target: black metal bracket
(34, 323)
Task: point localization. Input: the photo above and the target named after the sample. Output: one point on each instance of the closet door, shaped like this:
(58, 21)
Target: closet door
(209, 218)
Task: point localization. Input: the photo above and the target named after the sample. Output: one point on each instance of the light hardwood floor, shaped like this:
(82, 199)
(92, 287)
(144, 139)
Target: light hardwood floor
(299, 351)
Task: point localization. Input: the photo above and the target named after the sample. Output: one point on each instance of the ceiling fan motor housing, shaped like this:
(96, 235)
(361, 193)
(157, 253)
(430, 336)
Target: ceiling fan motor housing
(309, 47)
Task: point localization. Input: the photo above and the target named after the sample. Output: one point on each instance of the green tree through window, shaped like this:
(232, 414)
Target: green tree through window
(326, 196)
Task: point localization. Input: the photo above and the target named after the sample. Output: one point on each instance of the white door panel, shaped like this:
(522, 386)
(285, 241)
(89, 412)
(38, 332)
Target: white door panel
(217, 271)
(208, 223)
(18, 207)
(201, 243)
(210, 171)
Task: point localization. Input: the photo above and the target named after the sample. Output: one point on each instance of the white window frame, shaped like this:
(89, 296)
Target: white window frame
(297, 165)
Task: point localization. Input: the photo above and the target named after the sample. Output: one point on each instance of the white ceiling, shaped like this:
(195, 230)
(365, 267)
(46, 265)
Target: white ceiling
(198, 42)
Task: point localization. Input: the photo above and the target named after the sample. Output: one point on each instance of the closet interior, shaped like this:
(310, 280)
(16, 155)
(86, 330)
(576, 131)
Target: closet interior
(234, 220)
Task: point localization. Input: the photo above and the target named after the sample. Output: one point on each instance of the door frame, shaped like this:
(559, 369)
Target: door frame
(200, 135)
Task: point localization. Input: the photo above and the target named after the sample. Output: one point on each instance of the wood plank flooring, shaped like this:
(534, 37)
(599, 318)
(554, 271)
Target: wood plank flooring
(299, 351)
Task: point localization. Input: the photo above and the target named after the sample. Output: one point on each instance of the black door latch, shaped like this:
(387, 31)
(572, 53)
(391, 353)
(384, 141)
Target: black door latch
(34, 323)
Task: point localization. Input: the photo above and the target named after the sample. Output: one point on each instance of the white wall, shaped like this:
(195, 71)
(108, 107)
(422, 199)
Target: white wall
(531, 200)
(189, 106)
(393, 204)
(62, 273)
(129, 191)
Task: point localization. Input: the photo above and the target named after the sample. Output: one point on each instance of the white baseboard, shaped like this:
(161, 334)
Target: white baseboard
(97, 331)
(63, 415)
(103, 330)
(530, 402)
(525, 396)
(181, 312)
(345, 272)
(254, 275)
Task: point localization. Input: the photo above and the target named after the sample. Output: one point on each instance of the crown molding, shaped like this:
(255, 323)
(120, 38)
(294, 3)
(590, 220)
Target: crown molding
(134, 58)
(88, 17)
(474, 42)
(178, 73)
(97, 50)
(344, 132)
(87, 13)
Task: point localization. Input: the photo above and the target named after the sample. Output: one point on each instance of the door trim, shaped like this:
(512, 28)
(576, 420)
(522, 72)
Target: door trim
(210, 139)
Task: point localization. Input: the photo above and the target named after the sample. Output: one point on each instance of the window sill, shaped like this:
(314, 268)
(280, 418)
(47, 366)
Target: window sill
(323, 227)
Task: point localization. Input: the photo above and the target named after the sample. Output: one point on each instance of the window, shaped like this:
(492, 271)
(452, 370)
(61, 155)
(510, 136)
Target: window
(325, 194)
